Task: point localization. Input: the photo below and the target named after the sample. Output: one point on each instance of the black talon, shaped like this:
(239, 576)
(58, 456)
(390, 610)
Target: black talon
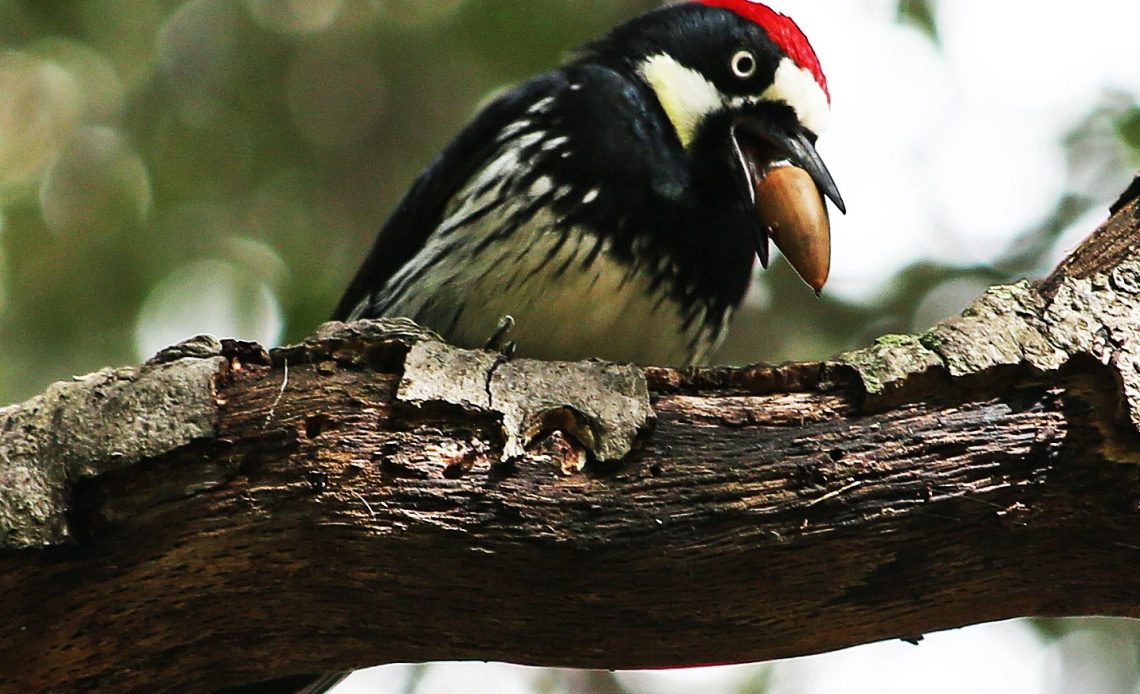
(494, 343)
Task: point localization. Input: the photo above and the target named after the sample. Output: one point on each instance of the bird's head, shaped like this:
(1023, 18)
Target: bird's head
(739, 81)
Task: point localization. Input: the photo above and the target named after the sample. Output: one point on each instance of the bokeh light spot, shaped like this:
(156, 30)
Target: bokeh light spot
(197, 50)
(295, 16)
(259, 259)
(723, 678)
(475, 678)
(98, 184)
(40, 104)
(207, 296)
(99, 85)
(124, 31)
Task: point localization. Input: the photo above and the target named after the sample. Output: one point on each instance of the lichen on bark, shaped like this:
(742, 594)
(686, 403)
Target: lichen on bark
(93, 424)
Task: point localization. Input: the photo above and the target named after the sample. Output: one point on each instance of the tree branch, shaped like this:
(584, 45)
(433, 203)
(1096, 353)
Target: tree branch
(203, 522)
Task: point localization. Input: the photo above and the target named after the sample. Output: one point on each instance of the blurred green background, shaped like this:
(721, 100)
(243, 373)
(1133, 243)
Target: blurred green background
(170, 167)
(162, 161)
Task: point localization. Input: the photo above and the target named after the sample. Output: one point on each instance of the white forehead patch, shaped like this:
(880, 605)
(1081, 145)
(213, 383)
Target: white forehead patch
(687, 97)
(796, 87)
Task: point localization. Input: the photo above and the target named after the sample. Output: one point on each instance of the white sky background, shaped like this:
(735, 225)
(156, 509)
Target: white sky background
(944, 153)
(1003, 658)
(949, 153)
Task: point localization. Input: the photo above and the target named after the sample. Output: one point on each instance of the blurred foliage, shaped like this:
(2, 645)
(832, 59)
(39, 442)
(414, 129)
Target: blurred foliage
(268, 135)
(919, 13)
(266, 140)
(1129, 127)
(163, 161)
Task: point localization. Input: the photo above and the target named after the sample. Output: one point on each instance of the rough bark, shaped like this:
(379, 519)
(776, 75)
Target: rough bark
(224, 515)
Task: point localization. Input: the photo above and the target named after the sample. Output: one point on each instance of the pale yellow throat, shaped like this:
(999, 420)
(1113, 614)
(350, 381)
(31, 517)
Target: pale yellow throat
(687, 97)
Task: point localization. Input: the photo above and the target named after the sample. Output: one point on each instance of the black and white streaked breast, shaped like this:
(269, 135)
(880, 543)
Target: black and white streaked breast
(535, 234)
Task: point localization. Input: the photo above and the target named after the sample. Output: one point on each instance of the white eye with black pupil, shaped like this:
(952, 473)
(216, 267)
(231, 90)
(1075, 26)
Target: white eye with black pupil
(744, 64)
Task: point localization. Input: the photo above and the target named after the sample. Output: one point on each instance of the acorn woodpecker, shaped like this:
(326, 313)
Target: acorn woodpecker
(615, 206)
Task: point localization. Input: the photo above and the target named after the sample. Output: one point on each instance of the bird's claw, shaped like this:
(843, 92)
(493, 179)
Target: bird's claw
(495, 342)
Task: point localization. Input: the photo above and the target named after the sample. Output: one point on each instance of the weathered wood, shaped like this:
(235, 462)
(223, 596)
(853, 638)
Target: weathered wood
(982, 471)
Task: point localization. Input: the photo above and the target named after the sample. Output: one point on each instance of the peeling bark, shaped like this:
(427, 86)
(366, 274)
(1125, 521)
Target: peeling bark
(225, 515)
(603, 406)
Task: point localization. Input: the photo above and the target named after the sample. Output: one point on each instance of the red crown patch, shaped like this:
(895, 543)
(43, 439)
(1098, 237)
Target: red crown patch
(782, 31)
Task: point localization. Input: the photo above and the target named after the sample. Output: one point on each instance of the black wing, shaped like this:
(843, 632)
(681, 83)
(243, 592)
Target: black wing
(422, 208)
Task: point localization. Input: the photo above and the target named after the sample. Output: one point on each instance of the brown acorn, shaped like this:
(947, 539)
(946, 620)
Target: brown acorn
(795, 218)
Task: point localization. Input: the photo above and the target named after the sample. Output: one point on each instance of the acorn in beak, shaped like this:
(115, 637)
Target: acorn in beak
(788, 181)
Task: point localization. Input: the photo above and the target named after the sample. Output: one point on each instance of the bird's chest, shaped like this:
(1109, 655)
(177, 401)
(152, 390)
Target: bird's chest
(570, 296)
(509, 245)
(573, 300)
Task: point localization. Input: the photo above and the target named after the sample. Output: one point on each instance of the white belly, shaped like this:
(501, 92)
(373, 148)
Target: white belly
(605, 309)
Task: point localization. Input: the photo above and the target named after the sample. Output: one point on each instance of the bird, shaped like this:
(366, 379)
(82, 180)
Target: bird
(615, 206)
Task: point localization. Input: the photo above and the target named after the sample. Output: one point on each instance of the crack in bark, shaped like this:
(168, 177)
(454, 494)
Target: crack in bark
(502, 359)
(609, 402)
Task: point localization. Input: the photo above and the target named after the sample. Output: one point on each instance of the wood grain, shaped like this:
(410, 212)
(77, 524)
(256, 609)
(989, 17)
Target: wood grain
(770, 512)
